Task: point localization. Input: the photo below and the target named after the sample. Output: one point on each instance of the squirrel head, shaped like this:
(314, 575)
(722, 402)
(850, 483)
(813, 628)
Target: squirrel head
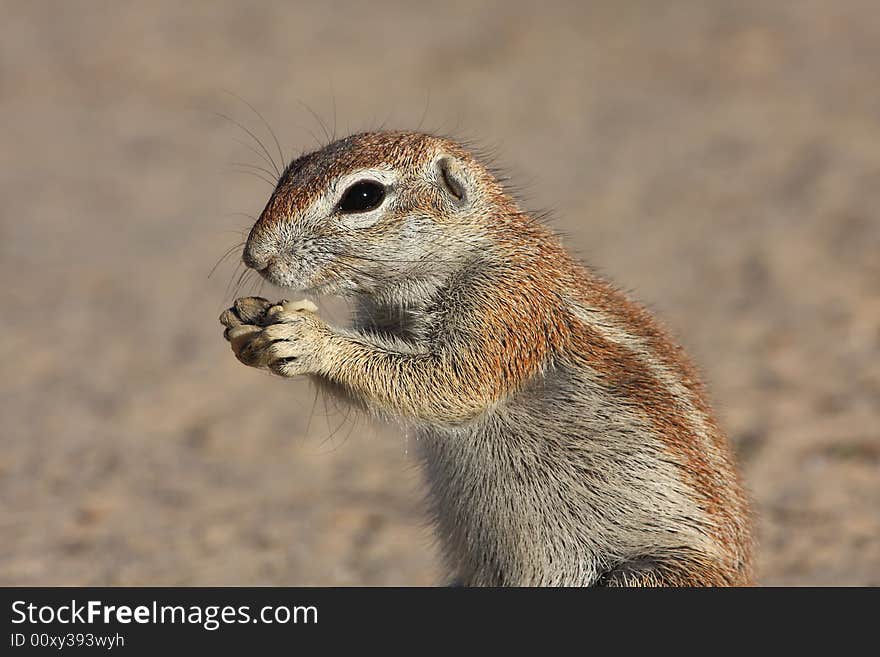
(372, 211)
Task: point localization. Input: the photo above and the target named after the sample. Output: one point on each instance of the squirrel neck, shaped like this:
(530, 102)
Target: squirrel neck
(517, 248)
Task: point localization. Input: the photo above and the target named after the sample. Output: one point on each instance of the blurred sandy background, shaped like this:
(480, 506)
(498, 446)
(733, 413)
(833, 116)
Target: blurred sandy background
(720, 160)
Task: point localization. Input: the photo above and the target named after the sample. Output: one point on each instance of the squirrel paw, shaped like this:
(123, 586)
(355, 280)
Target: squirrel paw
(246, 310)
(286, 337)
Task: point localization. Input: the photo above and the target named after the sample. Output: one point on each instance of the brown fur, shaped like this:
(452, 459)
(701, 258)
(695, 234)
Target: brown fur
(530, 378)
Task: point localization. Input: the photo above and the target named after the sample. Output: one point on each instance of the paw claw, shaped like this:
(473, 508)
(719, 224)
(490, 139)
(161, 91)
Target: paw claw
(289, 311)
(303, 305)
(229, 319)
(240, 337)
(251, 309)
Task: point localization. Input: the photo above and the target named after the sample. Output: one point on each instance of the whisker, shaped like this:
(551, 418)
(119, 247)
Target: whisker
(255, 138)
(253, 150)
(225, 256)
(271, 183)
(412, 261)
(255, 283)
(320, 122)
(241, 214)
(232, 278)
(232, 231)
(250, 280)
(314, 137)
(425, 111)
(333, 99)
(265, 123)
(252, 166)
(239, 281)
(346, 267)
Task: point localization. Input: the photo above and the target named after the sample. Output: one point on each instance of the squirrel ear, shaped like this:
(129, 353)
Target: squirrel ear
(451, 177)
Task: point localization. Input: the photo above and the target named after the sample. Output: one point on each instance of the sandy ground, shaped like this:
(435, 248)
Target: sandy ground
(720, 160)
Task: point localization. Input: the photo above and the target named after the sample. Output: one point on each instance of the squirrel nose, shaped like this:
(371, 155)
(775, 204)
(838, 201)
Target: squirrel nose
(258, 248)
(255, 259)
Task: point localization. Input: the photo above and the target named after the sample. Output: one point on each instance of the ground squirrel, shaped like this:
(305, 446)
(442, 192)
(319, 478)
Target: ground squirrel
(565, 437)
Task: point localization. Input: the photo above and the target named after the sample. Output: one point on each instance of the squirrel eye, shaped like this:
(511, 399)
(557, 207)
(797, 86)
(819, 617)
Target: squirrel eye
(362, 196)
